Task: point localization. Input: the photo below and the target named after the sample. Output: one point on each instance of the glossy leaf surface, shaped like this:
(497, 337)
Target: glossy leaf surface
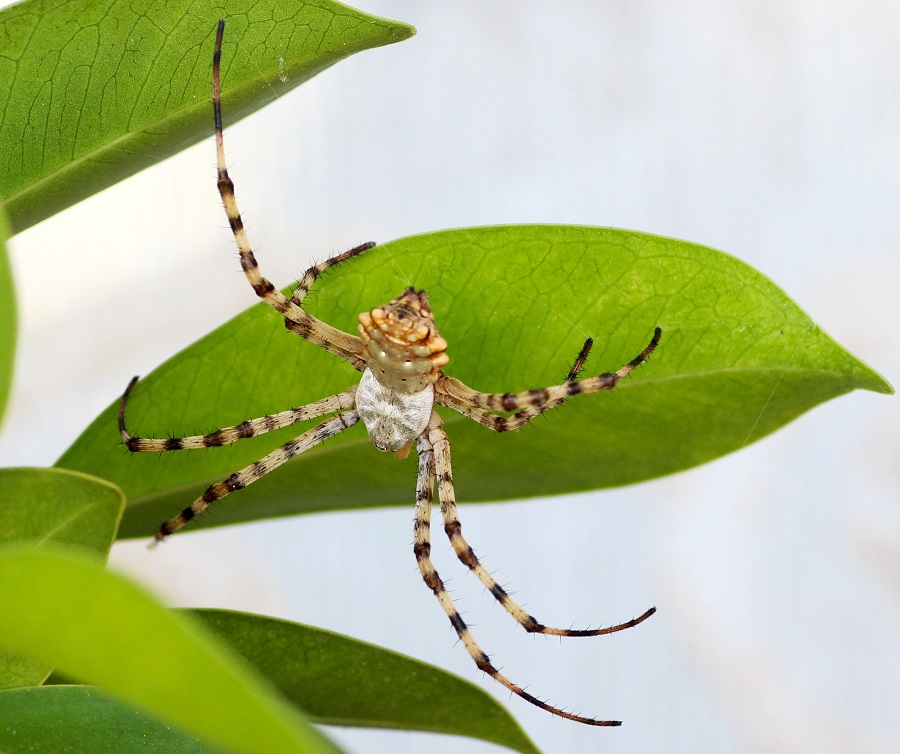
(97, 627)
(333, 679)
(738, 359)
(8, 321)
(41, 507)
(92, 92)
(84, 720)
(337, 680)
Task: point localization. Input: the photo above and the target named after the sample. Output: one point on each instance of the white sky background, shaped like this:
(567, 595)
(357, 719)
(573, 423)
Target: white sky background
(766, 129)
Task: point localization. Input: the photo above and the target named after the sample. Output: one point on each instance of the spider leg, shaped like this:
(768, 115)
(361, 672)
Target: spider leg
(305, 283)
(303, 330)
(228, 435)
(467, 557)
(422, 548)
(258, 469)
(507, 424)
(542, 397)
(348, 347)
(313, 273)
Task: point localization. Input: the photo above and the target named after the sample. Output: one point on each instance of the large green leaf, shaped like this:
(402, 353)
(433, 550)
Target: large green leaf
(333, 679)
(53, 506)
(342, 681)
(7, 321)
(84, 720)
(58, 506)
(738, 359)
(92, 92)
(100, 628)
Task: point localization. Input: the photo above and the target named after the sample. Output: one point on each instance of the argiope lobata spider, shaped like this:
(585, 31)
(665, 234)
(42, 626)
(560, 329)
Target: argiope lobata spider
(401, 356)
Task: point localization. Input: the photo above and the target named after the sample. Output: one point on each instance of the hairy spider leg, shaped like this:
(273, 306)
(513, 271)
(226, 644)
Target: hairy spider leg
(313, 273)
(467, 557)
(308, 327)
(434, 465)
(521, 418)
(259, 469)
(541, 396)
(228, 435)
(305, 283)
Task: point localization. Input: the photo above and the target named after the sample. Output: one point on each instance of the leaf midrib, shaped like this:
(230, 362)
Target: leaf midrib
(64, 523)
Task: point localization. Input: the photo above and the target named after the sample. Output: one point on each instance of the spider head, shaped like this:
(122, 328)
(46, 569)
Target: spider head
(403, 347)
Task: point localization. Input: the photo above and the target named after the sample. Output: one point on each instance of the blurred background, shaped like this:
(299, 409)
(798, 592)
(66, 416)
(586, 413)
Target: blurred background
(765, 129)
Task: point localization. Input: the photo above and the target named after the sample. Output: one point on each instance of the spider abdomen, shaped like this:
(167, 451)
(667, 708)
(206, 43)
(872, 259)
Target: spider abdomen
(394, 420)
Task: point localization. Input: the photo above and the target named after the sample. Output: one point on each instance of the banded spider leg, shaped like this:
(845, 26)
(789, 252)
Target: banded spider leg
(434, 465)
(529, 404)
(343, 403)
(401, 356)
(455, 394)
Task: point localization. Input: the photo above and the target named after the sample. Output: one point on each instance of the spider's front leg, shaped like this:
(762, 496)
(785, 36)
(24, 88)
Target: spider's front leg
(348, 347)
(302, 289)
(228, 435)
(314, 272)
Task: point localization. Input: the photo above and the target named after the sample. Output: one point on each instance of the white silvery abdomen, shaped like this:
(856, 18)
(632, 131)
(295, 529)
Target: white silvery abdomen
(393, 420)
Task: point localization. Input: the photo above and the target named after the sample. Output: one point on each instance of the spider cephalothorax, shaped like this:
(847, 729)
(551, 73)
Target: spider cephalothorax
(404, 354)
(401, 356)
(403, 347)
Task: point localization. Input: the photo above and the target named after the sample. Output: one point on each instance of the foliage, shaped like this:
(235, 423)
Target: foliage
(96, 91)
(7, 320)
(738, 360)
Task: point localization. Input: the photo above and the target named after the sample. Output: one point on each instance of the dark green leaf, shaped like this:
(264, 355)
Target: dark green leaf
(93, 92)
(342, 681)
(84, 720)
(738, 359)
(41, 506)
(58, 506)
(99, 628)
(7, 320)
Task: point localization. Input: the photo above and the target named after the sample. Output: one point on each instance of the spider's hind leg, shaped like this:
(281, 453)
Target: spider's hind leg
(428, 469)
(466, 554)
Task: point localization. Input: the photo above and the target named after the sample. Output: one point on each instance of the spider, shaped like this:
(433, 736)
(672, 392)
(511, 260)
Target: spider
(401, 356)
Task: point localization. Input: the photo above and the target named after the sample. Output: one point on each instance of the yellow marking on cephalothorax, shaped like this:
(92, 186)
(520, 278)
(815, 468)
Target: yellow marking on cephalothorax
(403, 347)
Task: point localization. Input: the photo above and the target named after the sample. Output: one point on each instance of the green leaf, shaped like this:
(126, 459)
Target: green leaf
(738, 359)
(41, 506)
(84, 720)
(93, 92)
(7, 320)
(337, 680)
(58, 506)
(100, 628)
